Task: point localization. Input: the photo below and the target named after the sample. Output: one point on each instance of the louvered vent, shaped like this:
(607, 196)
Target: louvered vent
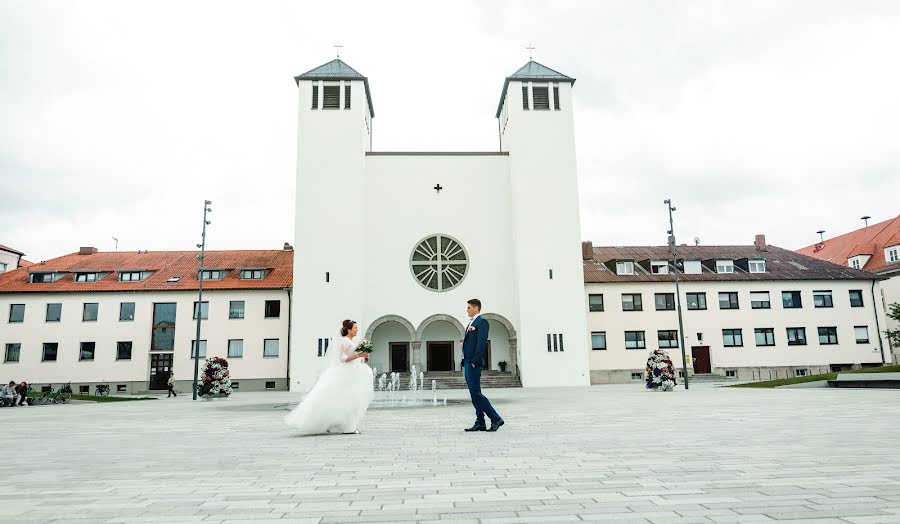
(332, 97)
(315, 103)
(556, 97)
(525, 97)
(347, 96)
(541, 97)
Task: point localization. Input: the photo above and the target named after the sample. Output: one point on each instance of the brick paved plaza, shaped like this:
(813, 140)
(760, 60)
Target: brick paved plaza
(593, 454)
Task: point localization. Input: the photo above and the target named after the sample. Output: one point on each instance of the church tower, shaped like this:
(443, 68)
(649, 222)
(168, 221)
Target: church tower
(537, 130)
(334, 133)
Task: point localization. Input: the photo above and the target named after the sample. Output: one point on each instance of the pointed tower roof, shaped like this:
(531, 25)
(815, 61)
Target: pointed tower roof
(337, 69)
(535, 72)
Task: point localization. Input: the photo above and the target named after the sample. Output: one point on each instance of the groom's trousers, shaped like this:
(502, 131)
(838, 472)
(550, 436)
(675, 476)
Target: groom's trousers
(482, 404)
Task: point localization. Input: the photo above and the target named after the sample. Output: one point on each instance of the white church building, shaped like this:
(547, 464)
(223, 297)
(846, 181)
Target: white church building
(400, 241)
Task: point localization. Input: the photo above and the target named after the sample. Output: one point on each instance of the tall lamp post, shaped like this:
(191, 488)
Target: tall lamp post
(668, 203)
(199, 310)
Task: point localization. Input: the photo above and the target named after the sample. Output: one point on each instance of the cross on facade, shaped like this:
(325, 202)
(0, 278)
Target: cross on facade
(438, 188)
(530, 48)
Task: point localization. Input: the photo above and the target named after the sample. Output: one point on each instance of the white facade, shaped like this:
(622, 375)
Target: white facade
(253, 370)
(361, 214)
(703, 328)
(9, 260)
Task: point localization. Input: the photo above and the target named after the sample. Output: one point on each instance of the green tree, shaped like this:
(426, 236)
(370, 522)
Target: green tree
(894, 334)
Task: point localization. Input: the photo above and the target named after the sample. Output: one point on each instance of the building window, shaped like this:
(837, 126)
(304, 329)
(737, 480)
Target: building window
(89, 314)
(854, 262)
(801, 372)
(270, 384)
(16, 313)
(331, 97)
(828, 336)
(556, 98)
(202, 348)
(84, 389)
(696, 300)
(323, 346)
(163, 334)
(634, 340)
(315, 97)
(595, 302)
(172, 280)
(346, 96)
(822, 299)
(252, 274)
(235, 385)
(439, 263)
(541, 96)
(270, 347)
(123, 350)
(524, 96)
(856, 299)
(625, 267)
(862, 334)
(85, 277)
(667, 339)
(49, 353)
(87, 351)
(598, 340)
(730, 373)
(757, 266)
(236, 309)
(54, 312)
(659, 267)
(41, 278)
(724, 266)
(12, 352)
(692, 267)
(121, 388)
(632, 302)
(764, 336)
(893, 254)
(3, 266)
(637, 376)
(732, 338)
(235, 348)
(212, 274)
(665, 301)
(273, 308)
(791, 300)
(126, 311)
(796, 336)
(204, 310)
(728, 300)
(130, 276)
(760, 300)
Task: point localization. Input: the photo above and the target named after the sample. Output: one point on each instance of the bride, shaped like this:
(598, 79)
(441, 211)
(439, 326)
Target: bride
(339, 399)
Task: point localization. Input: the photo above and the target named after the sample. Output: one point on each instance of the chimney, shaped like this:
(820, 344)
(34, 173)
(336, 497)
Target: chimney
(760, 243)
(288, 247)
(87, 250)
(587, 250)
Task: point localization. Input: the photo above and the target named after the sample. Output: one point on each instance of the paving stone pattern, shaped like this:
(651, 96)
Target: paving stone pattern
(605, 453)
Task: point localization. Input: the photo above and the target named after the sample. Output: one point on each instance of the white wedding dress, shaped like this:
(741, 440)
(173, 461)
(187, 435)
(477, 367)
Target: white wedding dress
(339, 399)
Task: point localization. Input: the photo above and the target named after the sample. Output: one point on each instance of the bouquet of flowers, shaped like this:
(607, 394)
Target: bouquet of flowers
(660, 371)
(216, 378)
(365, 346)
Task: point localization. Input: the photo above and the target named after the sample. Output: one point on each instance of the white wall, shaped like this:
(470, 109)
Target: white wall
(70, 331)
(890, 290)
(10, 260)
(710, 323)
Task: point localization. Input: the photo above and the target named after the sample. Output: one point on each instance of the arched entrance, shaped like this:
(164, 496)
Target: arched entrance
(503, 343)
(440, 336)
(392, 336)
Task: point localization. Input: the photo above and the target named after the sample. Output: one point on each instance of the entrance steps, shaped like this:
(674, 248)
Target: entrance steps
(706, 378)
(456, 380)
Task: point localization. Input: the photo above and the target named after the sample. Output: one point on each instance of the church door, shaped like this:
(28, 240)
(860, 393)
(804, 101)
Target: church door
(440, 356)
(399, 356)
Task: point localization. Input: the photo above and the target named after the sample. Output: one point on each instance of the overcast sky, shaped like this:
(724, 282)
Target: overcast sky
(118, 118)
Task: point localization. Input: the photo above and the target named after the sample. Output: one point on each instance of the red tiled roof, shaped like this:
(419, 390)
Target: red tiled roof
(870, 240)
(781, 264)
(25, 263)
(11, 250)
(162, 265)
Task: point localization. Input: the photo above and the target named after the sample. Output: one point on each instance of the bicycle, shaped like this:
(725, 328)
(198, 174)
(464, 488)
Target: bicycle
(102, 390)
(46, 395)
(64, 394)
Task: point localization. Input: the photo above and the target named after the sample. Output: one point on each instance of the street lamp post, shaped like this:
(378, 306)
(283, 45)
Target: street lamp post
(668, 203)
(199, 310)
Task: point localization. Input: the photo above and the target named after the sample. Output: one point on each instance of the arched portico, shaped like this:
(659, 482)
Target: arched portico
(393, 337)
(391, 318)
(513, 339)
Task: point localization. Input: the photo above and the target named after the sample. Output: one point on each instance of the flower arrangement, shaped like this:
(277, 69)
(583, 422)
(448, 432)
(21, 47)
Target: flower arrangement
(216, 378)
(660, 371)
(365, 346)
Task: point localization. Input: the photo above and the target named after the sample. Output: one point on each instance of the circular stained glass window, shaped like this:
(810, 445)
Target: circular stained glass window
(439, 263)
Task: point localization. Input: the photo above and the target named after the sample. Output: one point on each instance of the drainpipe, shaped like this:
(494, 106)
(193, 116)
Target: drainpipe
(290, 311)
(877, 325)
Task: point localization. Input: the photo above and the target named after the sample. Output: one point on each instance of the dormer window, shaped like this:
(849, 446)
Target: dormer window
(41, 278)
(757, 266)
(892, 254)
(85, 277)
(659, 267)
(541, 97)
(858, 262)
(724, 266)
(130, 276)
(213, 274)
(331, 97)
(253, 274)
(692, 267)
(625, 267)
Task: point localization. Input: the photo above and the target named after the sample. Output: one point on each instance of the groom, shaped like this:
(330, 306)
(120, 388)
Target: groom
(474, 349)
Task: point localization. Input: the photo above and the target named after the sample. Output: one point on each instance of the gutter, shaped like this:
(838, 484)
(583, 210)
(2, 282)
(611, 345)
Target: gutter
(877, 325)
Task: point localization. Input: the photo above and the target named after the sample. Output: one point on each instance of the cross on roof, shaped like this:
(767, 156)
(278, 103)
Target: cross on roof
(338, 47)
(530, 48)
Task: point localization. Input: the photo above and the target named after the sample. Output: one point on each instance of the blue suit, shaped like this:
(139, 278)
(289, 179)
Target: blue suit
(474, 350)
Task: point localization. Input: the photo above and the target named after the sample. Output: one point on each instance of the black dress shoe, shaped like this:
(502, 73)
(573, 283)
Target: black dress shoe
(477, 427)
(496, 425)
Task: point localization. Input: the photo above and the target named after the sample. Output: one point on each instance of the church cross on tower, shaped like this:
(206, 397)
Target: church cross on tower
(338, 47)
(530, 48)
(438, 188)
